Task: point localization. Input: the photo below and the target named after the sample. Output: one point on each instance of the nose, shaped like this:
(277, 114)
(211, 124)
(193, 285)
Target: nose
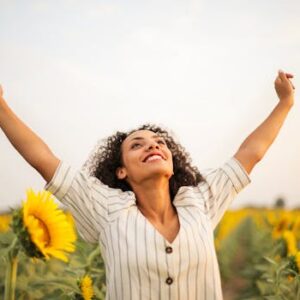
(153, 145)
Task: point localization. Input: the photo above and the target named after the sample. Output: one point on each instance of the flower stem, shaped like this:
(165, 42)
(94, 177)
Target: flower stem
(11, 272)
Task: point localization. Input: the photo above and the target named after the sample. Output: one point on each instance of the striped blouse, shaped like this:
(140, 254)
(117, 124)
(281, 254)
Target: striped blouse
(139, 262)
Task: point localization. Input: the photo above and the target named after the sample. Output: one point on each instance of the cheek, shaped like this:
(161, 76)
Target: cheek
(170, 155)
(171, 164)
(131, 160)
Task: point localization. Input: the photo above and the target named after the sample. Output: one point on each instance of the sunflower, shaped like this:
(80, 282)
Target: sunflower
(4, 222)
(43, 229)
(296, 227)
(70, 218)
(280, 227)
(86, 287)
(291, 242)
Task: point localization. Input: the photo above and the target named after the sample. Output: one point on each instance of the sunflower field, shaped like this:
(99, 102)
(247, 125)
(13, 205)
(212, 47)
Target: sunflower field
(258, 251)
(259, 254)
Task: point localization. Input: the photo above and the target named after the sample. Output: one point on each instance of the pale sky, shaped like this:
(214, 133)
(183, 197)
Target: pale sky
(77, 71)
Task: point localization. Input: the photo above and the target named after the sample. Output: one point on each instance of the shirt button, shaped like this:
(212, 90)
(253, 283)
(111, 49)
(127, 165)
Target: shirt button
(169, 249)
(169, 280)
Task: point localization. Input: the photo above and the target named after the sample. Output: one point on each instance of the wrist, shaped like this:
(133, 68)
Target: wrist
(3, 105)
(287, 101)
(1, 102)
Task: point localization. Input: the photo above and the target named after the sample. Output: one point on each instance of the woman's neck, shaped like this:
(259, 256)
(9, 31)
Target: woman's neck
(154, 201)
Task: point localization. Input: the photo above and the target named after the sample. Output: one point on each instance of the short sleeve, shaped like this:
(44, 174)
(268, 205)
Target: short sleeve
(74, 188)
(221, 186)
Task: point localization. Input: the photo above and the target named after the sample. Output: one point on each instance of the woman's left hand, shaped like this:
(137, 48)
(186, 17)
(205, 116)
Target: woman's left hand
(285, 88)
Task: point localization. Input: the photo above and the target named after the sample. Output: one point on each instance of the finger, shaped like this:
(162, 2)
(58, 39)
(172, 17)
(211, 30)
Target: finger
(282, 76)
(278, 79)
(288, 75)
(292, 84)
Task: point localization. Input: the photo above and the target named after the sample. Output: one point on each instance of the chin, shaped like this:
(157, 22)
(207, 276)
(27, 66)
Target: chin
(160, 173)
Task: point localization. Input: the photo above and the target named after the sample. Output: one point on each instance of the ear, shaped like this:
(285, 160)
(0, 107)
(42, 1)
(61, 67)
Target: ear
(121, 173)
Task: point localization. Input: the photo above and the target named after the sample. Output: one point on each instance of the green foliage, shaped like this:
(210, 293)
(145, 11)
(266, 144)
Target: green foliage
(54, 279)
(249, 255)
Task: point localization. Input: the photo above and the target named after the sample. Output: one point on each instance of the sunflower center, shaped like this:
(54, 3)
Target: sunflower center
(281, 225)
(45, 237)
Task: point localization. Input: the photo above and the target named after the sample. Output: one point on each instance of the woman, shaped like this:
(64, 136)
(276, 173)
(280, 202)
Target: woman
(151, 211)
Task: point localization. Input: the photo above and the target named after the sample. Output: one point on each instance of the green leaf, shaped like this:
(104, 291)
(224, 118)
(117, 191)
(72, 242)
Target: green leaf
(60, 283)
(270, 260)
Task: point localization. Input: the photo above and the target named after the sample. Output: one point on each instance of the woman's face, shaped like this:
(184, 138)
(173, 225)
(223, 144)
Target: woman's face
(145, 156)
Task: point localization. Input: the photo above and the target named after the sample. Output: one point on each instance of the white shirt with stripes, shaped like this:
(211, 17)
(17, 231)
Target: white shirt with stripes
(139, 262)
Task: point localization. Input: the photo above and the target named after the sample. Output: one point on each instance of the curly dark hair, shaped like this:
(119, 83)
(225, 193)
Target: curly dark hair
(108, 157)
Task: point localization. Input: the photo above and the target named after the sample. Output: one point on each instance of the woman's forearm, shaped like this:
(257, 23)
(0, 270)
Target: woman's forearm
(263, 136)
(23, 139)
(257, 143)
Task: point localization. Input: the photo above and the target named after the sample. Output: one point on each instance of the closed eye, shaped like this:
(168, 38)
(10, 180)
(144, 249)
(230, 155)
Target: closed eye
(161, 141)
(135, 145)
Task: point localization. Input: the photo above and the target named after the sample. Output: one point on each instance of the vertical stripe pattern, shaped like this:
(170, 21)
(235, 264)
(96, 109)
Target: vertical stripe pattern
(138, 261)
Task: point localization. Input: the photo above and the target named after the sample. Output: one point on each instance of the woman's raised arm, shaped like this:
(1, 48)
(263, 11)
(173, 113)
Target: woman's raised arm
(257, 143)
(26, 142)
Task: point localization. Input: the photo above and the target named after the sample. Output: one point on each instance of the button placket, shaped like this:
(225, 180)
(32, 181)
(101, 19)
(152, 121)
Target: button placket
(170, 263)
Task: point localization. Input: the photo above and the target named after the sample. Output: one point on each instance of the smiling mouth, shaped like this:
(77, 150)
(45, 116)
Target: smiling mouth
(154, 157)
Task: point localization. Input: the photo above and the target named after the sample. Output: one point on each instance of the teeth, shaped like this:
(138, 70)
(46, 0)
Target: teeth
(154, 157)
